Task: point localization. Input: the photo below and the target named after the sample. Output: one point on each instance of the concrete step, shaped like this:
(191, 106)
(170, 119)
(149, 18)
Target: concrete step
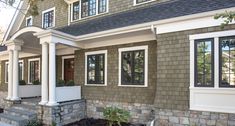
(13, 120)
(24, 107)
(21, 113)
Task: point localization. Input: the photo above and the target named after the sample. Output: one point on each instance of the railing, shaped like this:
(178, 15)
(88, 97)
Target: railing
(26, 91)
(68, 93)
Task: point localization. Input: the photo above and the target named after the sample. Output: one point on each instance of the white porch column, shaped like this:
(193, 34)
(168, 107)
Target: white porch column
(52, 74)
(10, 74)
(44, 96)
(15, 94)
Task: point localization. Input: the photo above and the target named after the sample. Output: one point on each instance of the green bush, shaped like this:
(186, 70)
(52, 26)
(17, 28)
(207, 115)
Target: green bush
(36, 82)
(22, 82)
(70, 83)
(34, 123)
(60, 83)
(116, 115)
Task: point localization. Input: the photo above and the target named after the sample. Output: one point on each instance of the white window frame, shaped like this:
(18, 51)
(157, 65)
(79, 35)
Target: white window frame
(63, 58)
(27, 18)
(80, 10)
(135, 2)
(105, 52)
(30, 60)
(7, 69)
(216, 99)
(145, 48)
(45, 11)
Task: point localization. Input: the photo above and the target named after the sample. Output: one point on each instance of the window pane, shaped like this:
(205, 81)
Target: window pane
(76, 9)
(29, 22)
(84, 8)
(95, 69)
(6, 70)
(204, 63)
(34, 71)
(48, 19)
(133, 67)
(21, 71)
(227, 62)
(102, 6)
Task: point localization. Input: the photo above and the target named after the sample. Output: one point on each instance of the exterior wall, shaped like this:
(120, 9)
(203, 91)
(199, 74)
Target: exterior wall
(61, 17)
(113, 92)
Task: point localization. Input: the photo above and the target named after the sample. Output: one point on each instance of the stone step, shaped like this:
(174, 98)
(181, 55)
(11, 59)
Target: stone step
(24, 107)
(13, 120)
(21, 113)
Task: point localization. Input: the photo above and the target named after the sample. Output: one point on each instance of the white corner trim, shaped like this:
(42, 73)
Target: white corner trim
(26, 19)
(145, 48)
(45, 11)
(105, 52)
(30, 60)
(135, 2)
(63, 58)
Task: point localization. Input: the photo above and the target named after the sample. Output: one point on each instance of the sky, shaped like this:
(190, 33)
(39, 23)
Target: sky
(6, 14)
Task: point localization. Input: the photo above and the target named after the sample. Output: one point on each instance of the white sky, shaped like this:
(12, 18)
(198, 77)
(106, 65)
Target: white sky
(6, 14)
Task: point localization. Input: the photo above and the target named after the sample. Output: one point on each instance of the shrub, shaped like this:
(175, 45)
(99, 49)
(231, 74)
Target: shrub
(116, 115)
(60, 83)
(34, 123)
(36, 82)
(70, 83)
(22, 82)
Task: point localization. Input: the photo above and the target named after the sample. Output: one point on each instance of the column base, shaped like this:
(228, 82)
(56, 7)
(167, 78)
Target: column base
(8, 98)
(52, 103)
(43, 102)
(15, 99)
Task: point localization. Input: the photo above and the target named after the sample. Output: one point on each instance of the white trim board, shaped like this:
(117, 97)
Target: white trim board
(30, 60)
(120, 50)
(136, 4)
(63, 58)
(105, 52)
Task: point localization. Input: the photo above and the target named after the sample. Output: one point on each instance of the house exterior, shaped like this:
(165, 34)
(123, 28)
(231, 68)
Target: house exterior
(162, 60)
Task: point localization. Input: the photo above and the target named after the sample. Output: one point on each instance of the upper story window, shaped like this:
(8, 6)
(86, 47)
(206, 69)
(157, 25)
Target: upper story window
(133, 66)
(29, 21)
(204, 63)
(227, 61)
(96, 68)
(86, 8)
(137, 2)
(48, 18)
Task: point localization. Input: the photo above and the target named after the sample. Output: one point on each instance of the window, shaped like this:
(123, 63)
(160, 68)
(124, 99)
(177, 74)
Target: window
(136, 2)
(29, 21)
(48, 18)
(86, 8)
(133, 66)
(96, 68)
(76, 10)
(21, 71)
(33, 70)
(227, 61)
(204, 63)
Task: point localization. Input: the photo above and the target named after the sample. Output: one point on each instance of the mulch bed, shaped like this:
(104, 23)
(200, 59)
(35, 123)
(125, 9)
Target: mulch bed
(98, 122)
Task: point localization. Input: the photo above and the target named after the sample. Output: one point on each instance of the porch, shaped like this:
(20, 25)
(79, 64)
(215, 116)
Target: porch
(46, 44)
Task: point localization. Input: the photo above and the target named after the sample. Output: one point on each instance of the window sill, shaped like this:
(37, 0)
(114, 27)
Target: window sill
(96, 85)
(88, 17)
(138, 4)
(139, 86)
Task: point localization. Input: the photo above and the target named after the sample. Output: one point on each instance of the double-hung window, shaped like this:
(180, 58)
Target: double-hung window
(29, 21)
(34, 70)
(85, 8)
(48, 18)
(212, 71)
(21, 71)
(133, 69)
(96, 68)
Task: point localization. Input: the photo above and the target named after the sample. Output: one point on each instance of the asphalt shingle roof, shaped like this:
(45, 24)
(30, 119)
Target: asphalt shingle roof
(174, 8)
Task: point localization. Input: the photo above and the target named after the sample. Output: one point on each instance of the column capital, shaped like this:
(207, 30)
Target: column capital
(14, 44)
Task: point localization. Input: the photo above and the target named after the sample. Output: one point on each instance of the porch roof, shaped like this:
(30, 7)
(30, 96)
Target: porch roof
(166, 10)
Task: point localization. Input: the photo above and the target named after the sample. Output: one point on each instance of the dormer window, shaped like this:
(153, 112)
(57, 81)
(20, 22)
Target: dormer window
(86, 8)
(137, 2)
(48, 18)
(29, 21)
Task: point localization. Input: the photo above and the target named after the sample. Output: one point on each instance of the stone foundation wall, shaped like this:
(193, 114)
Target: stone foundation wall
(3, 95)
(64, 113)
(167, 117)
(140, 113)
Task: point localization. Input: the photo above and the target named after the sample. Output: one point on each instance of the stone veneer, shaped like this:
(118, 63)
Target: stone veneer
(62, 114)
(3, 95)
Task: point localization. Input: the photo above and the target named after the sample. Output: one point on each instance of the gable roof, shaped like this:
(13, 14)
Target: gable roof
(171, 9)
